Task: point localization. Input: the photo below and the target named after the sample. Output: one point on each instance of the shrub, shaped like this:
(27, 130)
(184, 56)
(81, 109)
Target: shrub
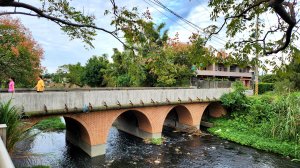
(265, 87)
(235, 101)
(260, 110)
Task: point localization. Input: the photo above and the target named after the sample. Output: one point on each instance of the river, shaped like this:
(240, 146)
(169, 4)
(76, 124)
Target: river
(125, 151)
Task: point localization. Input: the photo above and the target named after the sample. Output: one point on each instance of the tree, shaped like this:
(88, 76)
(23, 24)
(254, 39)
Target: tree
(69, 73)
(126, 70)
(20, 54)
(268, 78)
(95, 70)
(240, 18)
(76, 74)
(290, 73)
(60, 74)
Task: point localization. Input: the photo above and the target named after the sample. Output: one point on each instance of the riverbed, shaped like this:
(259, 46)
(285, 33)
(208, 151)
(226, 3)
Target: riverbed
(123, 151)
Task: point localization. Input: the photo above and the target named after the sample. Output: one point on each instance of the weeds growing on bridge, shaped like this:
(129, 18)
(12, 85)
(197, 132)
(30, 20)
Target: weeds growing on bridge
(154, 141)
(16, 129)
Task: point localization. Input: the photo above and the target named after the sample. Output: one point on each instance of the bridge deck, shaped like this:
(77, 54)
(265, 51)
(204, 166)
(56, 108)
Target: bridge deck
(64, 101)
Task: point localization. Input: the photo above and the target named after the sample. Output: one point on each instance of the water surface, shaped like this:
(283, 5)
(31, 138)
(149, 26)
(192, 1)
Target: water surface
(123, 150)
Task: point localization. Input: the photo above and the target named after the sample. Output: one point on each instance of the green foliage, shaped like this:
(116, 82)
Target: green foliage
(50, 124)
(126, 70)
(286, 124)
(59, 75)
(75, 74)
(95, 70)
(289, 74)
(156, 141)
(238, 132)
(265, 87)
(16, 130)
(240, 21)
(69, 73)
(155, 62)
(284, 87)
(270, 122)
(235, 101)
(268, 78)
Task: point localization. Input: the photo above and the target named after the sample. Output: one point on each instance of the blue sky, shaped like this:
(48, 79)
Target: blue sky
(60, 50)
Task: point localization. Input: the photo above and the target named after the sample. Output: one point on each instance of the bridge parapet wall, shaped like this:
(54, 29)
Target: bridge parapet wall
(77, 101)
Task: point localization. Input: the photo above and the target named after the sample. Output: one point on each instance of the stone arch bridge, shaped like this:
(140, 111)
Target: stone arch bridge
(142, 112)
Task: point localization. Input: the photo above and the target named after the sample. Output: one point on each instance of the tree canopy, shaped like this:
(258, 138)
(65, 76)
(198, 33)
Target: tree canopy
(239, 17)
(20, 54)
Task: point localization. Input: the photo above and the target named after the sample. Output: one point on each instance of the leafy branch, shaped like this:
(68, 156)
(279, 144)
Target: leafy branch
(278, 6)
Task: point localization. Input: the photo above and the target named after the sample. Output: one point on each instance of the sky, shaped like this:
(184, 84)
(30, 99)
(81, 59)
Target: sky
(60, 49)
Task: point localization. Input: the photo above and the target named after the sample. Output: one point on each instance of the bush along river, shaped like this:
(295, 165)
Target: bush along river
(50, 149)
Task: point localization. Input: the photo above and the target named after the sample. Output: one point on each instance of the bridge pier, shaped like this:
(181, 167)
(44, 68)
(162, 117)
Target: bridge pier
(178, 125)
(136, 131)
(91, 150)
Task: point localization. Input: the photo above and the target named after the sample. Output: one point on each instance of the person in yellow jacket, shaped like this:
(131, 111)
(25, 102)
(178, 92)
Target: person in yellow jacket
(40, 86)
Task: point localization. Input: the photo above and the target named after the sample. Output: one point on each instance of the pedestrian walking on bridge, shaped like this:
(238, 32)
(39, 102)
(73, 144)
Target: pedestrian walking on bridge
(40, 86)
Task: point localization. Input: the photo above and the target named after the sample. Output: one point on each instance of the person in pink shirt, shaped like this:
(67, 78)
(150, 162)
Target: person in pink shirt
(11, 85)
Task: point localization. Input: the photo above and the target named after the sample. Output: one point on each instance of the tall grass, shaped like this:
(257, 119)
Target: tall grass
(286, 124)
(16, 129)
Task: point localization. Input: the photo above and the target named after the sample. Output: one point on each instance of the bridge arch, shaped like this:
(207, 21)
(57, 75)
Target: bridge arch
(133, 122)
(178, 116)
(214, 110)
(77, 131)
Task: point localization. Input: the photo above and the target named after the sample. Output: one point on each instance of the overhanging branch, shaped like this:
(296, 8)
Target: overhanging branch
(279, 9)
(242, 14)
(40, 13)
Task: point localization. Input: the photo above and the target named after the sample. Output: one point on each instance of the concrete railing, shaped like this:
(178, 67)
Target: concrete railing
(5, 160)
(47, 103)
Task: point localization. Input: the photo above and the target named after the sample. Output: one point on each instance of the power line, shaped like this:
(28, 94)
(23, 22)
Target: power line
(167, 16)
(158, 3)
(173, 19)
(177, 15)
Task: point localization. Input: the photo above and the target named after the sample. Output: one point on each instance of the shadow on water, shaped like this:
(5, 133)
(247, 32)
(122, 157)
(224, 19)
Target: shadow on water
(123, 150)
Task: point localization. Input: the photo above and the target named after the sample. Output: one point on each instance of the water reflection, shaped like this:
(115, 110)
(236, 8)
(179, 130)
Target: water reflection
(179, 150)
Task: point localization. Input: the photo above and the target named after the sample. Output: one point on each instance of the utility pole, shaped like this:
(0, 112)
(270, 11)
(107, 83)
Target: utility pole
(256, 65)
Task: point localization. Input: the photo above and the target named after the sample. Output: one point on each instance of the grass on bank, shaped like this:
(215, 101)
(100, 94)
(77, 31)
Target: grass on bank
(234, 131)
(269, 122)
(51, 124)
